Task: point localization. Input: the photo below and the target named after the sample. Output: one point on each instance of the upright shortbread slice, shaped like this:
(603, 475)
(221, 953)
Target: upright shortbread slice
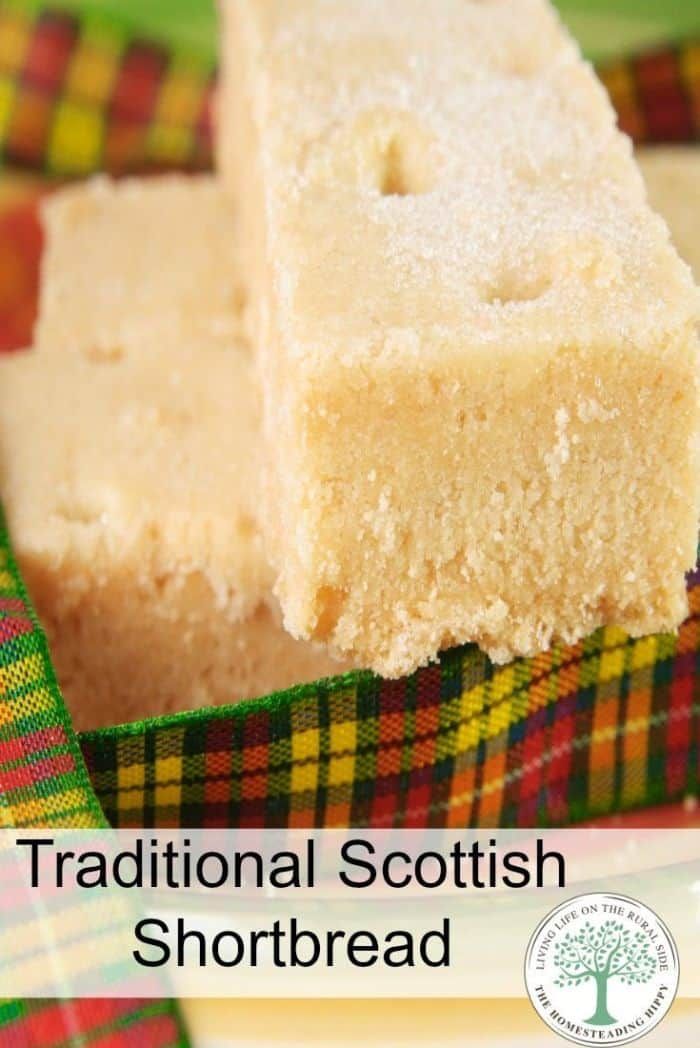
(130, 482)
(672, 178)
(478, 347)
(138, 263)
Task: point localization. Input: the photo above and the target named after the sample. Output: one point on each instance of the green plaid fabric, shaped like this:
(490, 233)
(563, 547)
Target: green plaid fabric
(44, 783)
(90, 1024)
(43, 780)
(79, 94)
(606, 725)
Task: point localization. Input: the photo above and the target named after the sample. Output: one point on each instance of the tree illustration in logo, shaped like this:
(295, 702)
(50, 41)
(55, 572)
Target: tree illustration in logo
(600, 953)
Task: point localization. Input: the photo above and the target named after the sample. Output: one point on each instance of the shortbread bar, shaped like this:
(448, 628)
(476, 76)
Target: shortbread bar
(672, 178)
(130, 486)
(477, 346)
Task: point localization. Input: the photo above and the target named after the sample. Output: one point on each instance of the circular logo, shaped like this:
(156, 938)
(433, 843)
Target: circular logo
(602, 969)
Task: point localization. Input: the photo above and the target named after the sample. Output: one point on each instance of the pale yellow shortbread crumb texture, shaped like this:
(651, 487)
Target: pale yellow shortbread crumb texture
(130, 479)
(672, 178)
(477, 345)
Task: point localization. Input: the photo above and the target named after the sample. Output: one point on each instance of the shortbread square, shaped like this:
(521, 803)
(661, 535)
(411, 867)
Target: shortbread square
(130, 478)
(477, 346)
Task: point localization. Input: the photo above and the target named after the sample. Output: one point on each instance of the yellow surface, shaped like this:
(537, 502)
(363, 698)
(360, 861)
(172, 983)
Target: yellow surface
(473, 331)
(397, 1024)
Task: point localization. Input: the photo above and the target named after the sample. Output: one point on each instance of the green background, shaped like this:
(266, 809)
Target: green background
(604, 27)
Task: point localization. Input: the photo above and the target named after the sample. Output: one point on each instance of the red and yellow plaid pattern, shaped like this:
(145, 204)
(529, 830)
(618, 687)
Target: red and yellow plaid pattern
(90, 1024)
(44, 783)
(602, 726)
(76, 96)
(657, 94)
(43, 780)
(20, 248)
(607, 725)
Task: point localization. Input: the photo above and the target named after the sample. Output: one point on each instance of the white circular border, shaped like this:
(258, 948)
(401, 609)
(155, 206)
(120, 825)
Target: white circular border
(617, 898)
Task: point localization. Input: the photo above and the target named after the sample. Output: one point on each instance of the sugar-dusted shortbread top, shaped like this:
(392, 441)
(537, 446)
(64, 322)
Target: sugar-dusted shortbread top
(134, 264)
(448, 178)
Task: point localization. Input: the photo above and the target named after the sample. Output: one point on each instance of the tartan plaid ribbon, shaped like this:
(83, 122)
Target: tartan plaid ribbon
(43, 780)
(44, 783)
(657, 94)
(583, 730)
(77, 95)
